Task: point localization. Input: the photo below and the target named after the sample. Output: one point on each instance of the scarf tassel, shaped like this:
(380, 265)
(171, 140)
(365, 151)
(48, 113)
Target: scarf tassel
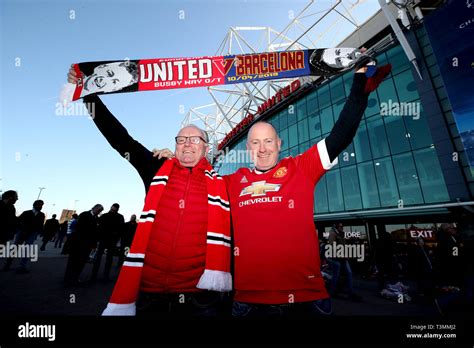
(215, 281)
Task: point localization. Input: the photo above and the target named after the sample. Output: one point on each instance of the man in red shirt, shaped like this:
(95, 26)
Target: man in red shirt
(276, 254)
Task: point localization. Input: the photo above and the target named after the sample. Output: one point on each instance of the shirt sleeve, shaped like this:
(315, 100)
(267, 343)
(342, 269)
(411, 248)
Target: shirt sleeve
(315, 162)
(117, 136)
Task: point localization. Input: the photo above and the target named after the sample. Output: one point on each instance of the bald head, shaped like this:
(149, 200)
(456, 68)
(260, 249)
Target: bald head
(264, 145)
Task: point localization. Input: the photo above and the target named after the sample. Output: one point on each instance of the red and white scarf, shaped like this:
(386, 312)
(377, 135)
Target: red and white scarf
(216, 275)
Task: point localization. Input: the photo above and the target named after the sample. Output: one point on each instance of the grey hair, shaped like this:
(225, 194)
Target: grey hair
(204, 134)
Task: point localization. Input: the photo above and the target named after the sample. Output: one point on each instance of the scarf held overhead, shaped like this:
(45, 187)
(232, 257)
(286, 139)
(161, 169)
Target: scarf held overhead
(216, 275)
(107, 77)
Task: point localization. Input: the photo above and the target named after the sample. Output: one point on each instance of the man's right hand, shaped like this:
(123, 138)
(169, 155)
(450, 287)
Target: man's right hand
(162, 153)
(71, 75)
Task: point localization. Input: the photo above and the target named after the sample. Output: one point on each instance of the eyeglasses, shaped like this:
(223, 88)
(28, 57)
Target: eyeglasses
(193, 139)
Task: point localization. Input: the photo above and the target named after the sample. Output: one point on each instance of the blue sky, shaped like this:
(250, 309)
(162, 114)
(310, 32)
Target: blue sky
(67, 154)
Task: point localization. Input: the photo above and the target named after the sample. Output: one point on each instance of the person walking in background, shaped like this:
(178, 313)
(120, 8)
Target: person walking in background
(82, 241)
(58, 243)
(31, 225)
(8, 219)
(336, 237)
(51, 228)
(111, 225)
(71, 228)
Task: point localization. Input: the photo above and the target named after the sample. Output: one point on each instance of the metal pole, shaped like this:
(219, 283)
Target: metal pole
(39, 194)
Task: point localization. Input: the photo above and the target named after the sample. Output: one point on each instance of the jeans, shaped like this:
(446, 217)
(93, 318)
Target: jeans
(186, 305)
(336, 266)
(312, 309)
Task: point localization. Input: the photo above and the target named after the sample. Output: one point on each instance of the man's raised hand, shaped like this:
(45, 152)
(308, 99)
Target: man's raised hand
(71, 75)
(162, 153)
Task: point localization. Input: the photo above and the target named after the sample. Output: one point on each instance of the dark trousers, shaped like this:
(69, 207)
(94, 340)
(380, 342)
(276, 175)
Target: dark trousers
(205, 304)
(59, 241)
(109, 257)
(21, 238)
(299, 310)
(46, 239)
(78, 256)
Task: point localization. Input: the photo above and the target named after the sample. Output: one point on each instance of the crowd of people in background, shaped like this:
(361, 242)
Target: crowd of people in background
(443, 271)
(88, 236)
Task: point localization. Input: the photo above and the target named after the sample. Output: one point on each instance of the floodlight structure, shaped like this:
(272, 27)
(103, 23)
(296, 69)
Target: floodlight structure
(317, 25)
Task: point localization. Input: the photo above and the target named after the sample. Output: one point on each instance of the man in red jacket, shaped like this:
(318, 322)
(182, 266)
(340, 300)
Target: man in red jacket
(182, 244)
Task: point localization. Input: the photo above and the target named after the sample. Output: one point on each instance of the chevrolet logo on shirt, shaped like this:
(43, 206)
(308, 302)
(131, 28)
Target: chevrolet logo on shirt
(259, 188)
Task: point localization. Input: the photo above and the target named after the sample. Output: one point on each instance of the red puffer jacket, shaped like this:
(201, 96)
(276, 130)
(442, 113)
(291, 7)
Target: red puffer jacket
(176, 252)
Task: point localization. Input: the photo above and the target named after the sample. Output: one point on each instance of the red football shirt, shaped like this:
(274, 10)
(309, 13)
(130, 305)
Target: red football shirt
(276, 251)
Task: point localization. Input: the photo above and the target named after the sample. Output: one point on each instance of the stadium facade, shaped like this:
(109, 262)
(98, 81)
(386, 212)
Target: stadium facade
(407, 170)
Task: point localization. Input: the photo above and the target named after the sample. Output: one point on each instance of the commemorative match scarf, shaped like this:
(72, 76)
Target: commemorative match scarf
(216, 275)
(107, 77)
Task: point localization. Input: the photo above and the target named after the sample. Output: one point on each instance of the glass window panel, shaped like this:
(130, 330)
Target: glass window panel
(334, 187)
(420, 135)
(398, 59)
(430, 176)
(301, 110)
(303, 147)
(283, 118)
(397, 134)
(386, 181)
(294, 151)
(368, 185)
(292, 110)
(314, 125)
(347, 156)
(361, 144)
(315, 141)
(337, 89)
(323, 96)
(275, 121)
(386, 92)
(382, 59)
(293, 135)
(373, 106)
(406, 86)
(284, 154)
(377, 137)
(327, 121)
(350, 185)
(312, 103)
(407, 179)
(303, 134)
(337, 108)
(321, 196)
(348, 82)
(284, 138)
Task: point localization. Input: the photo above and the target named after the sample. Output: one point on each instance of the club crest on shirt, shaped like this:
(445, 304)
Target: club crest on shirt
(260, 188)
(280, 173)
